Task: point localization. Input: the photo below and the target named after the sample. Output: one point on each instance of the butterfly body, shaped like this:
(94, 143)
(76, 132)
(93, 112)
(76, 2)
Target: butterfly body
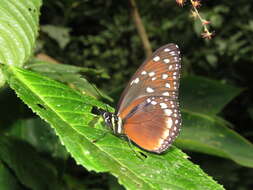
(148, 110)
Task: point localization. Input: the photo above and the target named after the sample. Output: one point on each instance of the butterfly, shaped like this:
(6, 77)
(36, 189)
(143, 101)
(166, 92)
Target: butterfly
(148, 110)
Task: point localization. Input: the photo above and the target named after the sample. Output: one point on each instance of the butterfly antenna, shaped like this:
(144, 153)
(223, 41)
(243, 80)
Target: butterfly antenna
(98, 92)
(101, 95)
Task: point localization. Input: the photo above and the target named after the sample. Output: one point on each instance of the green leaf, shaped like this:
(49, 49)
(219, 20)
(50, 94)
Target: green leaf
(70, 75)
(39, 134)
(205, 132)
(58, 33)
(18, 30)
(202, 95)
(210, 135)
(69, 113)
(7, 180)
(45, 67)
(31, 170)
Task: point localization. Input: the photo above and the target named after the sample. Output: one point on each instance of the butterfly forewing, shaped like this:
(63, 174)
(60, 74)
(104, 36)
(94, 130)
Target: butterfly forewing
(157, 76)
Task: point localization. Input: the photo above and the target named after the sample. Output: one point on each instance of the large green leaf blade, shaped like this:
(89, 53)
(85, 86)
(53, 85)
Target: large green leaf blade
(69, 114)
(203, 131)
(18, 30)
(211, 135)
(206, 96)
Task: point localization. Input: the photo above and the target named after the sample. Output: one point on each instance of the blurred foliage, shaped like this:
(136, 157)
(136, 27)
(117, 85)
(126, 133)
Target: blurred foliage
(100, 35)
(103, 36)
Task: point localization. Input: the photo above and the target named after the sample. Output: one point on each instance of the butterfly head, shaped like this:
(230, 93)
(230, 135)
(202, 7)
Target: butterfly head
(112, 121)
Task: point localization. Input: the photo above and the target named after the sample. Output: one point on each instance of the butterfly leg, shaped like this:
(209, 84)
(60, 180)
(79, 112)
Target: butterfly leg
(140, 155)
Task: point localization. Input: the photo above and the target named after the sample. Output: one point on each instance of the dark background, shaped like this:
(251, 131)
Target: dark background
(102, 35)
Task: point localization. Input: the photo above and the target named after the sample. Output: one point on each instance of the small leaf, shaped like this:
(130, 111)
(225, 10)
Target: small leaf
(58, 33)
(69, 113)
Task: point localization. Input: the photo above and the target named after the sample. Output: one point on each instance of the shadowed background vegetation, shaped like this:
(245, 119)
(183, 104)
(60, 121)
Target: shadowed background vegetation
(100, 39)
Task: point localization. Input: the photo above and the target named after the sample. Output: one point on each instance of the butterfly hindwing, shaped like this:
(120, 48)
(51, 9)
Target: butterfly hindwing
(152, 122)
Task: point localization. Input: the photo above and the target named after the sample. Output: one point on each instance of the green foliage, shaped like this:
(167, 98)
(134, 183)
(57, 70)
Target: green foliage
(69, 114)
(30, 169)
(71, 75)
(40, 135)
(203, 130)
(7, 180)
(98, 44)
(60, 34)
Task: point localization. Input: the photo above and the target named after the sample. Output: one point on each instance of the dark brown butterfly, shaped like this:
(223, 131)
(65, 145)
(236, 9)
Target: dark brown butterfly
(148, 110)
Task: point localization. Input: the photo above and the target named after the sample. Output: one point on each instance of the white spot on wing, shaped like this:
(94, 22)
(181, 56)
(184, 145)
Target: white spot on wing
(151, 74)
(163, 105)
(165, 134)
(166, 60)
(168, 112)
(153, 78)
(148, 100)
(144, 72)
(166, 49)
(149, 90)
(166, 94)
(167, 85)
(164, 76)
(156, 58)
(169, 122)
(153, 102)
(135, 81)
